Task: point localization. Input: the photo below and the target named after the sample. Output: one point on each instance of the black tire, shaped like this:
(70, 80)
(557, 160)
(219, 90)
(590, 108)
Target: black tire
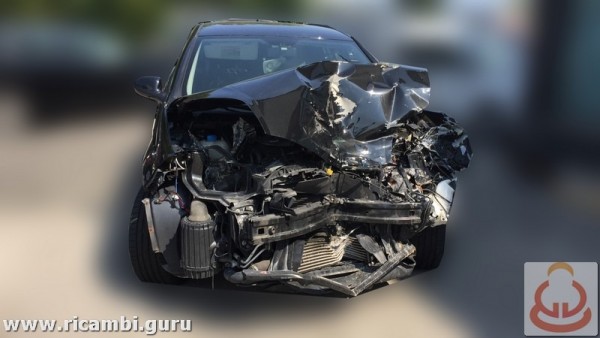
(430, 247)
(145, 262)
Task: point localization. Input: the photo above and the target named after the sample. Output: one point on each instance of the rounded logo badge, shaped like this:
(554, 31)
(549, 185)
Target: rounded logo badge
(561, 299)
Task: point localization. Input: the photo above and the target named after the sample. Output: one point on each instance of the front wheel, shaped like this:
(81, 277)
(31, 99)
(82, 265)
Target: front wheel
(430, 247)
(145, 262)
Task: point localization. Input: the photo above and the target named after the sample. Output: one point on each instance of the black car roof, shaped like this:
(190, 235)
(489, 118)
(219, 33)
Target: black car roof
(268, 28)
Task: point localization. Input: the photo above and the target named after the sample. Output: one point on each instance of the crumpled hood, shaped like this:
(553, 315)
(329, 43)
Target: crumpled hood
(339, 110)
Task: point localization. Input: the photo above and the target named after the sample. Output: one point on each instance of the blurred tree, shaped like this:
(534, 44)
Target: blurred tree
(268, 7)
(135, 19)
(247, 6)
(422, 6)
(131, 18)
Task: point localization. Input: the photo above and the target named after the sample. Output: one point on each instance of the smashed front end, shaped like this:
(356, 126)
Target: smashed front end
(315, 177)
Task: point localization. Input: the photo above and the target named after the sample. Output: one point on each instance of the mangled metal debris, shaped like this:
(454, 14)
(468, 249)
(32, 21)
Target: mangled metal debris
(319, 176)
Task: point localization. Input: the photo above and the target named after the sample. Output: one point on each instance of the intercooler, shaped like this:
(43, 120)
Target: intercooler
(322, 250)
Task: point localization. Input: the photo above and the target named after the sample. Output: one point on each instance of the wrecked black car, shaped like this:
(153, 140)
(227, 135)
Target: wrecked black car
(285, 153)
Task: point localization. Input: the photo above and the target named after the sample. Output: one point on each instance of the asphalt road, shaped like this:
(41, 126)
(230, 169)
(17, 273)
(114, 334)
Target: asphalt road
(64, 207)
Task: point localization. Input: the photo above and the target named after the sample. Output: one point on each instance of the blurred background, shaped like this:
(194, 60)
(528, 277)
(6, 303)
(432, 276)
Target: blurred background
(519, 75)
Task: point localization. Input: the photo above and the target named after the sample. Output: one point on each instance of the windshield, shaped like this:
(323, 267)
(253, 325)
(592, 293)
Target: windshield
(219, 61)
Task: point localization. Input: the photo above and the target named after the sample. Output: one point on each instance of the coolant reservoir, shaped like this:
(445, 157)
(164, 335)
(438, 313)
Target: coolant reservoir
(212, 140)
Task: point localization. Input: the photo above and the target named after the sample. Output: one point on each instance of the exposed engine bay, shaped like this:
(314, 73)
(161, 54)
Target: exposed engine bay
(316, 177)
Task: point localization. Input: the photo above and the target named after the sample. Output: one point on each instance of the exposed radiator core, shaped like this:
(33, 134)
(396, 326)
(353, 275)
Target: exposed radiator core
(355, 251)
(322, 250)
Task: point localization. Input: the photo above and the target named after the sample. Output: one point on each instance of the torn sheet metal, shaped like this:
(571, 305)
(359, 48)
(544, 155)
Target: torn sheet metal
(341, 111)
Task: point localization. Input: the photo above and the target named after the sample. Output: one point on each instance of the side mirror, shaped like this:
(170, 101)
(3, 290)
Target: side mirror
(150, 88)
